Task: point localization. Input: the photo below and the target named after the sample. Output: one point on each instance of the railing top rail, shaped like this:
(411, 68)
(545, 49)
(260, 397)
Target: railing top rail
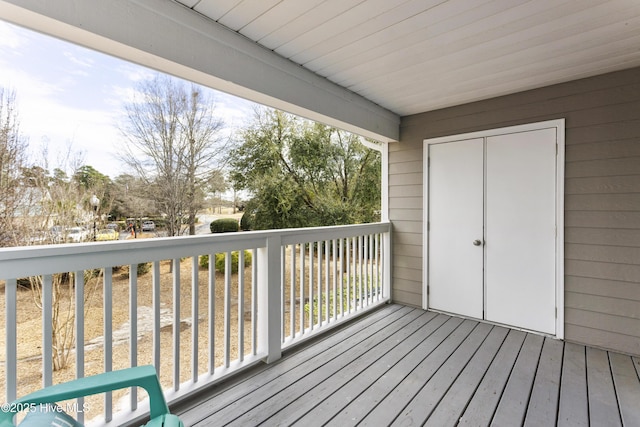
(312, 234)
(25, 261)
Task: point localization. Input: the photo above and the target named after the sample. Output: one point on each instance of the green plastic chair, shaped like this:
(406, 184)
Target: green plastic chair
(141, 376)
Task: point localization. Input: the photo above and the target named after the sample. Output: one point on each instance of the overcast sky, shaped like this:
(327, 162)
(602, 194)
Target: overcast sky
(72, 96)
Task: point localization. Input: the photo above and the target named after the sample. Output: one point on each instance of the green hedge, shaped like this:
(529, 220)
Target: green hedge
(220, 261)
(224, 225)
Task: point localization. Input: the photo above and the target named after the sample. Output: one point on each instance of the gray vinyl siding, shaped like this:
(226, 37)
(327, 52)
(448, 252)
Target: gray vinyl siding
(602, 197)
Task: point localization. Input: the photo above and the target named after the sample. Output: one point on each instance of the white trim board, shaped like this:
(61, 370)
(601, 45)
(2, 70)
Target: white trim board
(559, 125)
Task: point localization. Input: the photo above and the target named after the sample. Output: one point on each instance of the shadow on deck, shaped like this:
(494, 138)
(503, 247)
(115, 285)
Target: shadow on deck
(404, 366)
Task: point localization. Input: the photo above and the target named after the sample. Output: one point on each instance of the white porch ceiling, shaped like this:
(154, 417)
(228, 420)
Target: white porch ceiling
(411, 56)
(355, 64)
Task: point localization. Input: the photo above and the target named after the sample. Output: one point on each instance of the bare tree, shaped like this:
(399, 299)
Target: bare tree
(172, 143)
(30, 201)
(13, 148)
(63, 310)
(59, 202)
(201, 129)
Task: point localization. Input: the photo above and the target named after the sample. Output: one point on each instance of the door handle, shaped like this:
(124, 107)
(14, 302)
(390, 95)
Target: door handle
(477, 242)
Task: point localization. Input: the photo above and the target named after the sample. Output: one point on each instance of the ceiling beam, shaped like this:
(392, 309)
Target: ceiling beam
(171, 38)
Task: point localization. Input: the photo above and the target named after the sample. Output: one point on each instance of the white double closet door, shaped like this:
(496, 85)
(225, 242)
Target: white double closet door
(492, 228)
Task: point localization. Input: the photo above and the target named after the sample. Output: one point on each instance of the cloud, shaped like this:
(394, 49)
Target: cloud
(84, 62)
(10, 37)
(56, 106)
(135, 73)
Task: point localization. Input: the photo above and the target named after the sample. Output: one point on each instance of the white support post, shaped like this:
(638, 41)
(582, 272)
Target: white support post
(269, 317)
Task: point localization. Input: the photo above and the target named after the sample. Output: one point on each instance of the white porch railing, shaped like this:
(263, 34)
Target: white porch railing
(296, 283)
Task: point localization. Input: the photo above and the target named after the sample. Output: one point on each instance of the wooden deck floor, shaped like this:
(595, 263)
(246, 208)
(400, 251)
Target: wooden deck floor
(404, 366)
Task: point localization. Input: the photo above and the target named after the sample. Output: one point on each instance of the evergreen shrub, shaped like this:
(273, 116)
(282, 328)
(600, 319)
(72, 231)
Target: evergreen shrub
(246, 221)
(224, 225)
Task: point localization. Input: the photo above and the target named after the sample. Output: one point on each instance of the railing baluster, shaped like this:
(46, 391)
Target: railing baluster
(108, 337)
(372, 271)
(342, 265)
(292, 292)
(133, 328)
(360, 271)
(176, 323)
(320, 296)
(354, 273)
(227, 308)
(377, 252)
(311, 284)
(194, 318)
(11, 338)
(282, 293)
(212, 313)
(367, 263)
(327, 294)
(302, 283)
(241, 305)
(334, 248)
(254, 302)
(348, 252)
(78, 284)
(155, 302)
(47, 330)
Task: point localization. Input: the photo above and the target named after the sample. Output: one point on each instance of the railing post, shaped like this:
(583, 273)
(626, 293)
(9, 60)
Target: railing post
(269, 316)
(386, 264)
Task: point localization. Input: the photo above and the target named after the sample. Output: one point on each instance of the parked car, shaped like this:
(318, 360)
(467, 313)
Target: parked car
(113, 226)
(148, 226)
(107, 234)
(77, 234)
(57, 234)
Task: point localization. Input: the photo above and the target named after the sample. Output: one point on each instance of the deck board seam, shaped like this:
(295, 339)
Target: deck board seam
(504, 386)
(426, 380)
(480, 381)
(436, 318)
(237, 390)
(357, 353)
(380, 368)
(368, 334)
(459, 372)
(368, 353)
(443, 327)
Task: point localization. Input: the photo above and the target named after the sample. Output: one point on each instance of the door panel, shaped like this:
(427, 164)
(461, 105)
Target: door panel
(456, 220)
(520, 229)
